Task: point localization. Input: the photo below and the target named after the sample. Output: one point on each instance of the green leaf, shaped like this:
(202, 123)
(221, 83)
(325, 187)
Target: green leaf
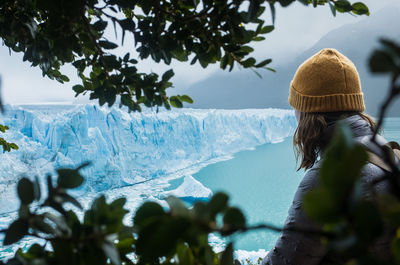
(107, 45)
(273, 11)
(343, 6)
(69, 178)
(16, 231)
(3, 128)
(332, 7)
(246, 49)
(167, 75)
(38, 222)
(127, 24)
(23, 211)
(253, 10)
(185, 254)
(395, 247)
(64, 78)
(175, 102)
(78, 89)
(382, 62)
(249, 62)
(146, 212)
(126, 57)
(258, 38)
(100, 25)
(218, 203)
(59, 221)
(186, 98)
(234, 218)
(25, 191)
(363, 211)
(321, 205)
(64, 197)
(14, 146)
(360, 9)
(159, 238)
(227, 255)
(267, 29)
(263, 63)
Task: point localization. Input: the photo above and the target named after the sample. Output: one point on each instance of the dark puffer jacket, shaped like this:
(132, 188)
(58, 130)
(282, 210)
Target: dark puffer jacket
(299, 249)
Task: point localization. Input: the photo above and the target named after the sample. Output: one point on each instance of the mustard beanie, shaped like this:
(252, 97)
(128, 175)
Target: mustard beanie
(326, 82)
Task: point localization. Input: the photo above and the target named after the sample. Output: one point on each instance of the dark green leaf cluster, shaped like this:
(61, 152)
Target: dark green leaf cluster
(6, 145)
(158, 236)
(53, 33)
(387, 59)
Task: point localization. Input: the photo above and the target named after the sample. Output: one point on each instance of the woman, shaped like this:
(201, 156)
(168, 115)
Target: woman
(325, 88)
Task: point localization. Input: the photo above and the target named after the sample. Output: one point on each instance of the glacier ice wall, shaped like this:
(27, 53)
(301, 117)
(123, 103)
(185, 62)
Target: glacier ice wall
(126, 148)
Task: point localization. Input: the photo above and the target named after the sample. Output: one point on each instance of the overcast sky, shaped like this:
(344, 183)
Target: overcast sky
(297, 28)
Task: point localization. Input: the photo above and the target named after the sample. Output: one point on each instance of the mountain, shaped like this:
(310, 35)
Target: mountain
(243, 89)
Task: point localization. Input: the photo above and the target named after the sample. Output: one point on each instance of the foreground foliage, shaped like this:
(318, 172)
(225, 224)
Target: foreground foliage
(350, 222)
(53, 33)
(177, 235)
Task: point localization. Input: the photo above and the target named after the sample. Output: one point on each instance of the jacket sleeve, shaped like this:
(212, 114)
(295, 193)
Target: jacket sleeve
(294, 248)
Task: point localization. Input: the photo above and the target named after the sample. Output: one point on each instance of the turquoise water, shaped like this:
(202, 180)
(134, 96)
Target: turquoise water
(262, 182)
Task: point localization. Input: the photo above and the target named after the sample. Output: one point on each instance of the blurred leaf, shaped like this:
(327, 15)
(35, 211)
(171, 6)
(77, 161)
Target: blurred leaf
(160, 237)
(70, 178)
(68, 198)
(382, 62)
(321, 205)
(38, 222)
(146, 211)
(218, 203)
(16, 231)
(234, 218)
(185, 255)
(25, 190)
(36, 188)
(227, 255)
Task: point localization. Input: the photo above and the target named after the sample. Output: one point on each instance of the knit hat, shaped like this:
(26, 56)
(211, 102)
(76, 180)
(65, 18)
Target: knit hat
(326, 82)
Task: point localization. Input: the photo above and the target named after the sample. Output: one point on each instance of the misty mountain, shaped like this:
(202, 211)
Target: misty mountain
(243, 89)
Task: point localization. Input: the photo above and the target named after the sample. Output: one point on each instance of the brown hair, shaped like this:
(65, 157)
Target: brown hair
(308, 139)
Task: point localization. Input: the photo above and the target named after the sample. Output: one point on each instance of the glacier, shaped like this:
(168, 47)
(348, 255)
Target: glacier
(128, 148)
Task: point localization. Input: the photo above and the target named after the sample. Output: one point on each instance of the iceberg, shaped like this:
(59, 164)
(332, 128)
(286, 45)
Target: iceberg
(128, 148)
(190, 190)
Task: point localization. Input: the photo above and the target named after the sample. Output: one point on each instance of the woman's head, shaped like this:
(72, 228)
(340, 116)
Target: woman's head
(325, 88)
(326, 82)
